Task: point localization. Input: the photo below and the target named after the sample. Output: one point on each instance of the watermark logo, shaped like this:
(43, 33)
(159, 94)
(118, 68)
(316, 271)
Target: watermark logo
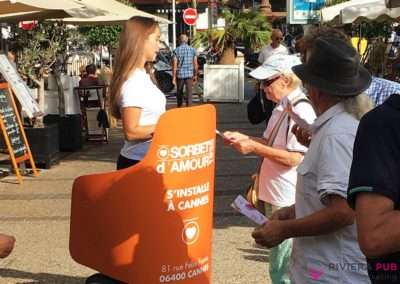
(315, 273)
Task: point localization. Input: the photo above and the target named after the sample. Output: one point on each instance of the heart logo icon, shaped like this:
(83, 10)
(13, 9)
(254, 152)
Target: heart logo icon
(190, 232)
(163, 153)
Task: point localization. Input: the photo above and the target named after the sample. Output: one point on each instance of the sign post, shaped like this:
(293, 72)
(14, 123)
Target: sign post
(173, 24)
(190, 16)
(13, 132)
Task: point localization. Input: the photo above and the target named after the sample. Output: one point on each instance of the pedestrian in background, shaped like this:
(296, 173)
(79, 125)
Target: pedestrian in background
(275, 47)
(185, 70)
(91, 78)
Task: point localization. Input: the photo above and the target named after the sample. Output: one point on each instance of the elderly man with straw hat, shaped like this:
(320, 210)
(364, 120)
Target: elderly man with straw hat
(325, 246)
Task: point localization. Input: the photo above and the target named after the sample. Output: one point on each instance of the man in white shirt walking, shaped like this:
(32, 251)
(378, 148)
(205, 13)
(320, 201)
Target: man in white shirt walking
(275, 47)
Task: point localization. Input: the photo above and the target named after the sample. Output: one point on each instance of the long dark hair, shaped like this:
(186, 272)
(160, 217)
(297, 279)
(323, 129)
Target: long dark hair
(129, 56)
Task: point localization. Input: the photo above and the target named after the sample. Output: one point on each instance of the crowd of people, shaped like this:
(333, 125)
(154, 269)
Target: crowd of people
(329, 176)
(315, 191)
(342, 218)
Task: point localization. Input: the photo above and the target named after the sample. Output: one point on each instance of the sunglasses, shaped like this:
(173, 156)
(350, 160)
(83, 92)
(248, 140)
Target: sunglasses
(266, 83)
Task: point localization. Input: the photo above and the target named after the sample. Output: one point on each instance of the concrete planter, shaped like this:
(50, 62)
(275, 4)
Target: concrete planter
(70, 131)
(224, 83)
(44, 144)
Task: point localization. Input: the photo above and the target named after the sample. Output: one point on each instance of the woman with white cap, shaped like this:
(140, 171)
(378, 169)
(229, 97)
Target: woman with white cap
(279, 148)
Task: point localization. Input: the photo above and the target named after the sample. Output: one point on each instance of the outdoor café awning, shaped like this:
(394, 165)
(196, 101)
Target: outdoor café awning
(17, 10)
(118, 14)
(359, 10)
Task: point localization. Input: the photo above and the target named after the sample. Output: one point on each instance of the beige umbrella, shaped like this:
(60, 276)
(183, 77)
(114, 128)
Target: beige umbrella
(118, 14)
(17, 10)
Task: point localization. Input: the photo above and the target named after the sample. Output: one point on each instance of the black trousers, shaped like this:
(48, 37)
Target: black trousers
(123, 162)
(180, 83)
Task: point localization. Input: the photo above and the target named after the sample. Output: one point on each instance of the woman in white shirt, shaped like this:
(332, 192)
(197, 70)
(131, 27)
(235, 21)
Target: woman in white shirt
(135, 99)
(279, 148)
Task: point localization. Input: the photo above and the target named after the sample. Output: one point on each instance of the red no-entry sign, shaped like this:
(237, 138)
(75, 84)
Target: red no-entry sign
(190, 16)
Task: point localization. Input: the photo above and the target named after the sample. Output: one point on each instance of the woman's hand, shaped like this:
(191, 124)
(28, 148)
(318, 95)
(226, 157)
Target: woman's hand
(241, 142)
(234, 136)
(245, 146)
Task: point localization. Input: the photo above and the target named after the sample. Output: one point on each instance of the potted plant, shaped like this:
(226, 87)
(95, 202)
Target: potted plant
(37, 50)
(248, 27)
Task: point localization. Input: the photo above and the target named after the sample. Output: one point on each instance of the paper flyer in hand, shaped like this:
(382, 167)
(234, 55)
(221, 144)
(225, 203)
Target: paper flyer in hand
(243, 206)
(220, 134)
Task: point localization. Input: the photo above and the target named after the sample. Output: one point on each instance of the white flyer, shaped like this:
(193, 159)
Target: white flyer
(243, 206)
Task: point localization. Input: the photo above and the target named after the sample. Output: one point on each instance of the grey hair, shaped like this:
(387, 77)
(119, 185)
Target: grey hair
(357, 106)
(294, 81)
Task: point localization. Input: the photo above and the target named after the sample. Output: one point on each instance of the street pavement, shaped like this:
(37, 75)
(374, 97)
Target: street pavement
(37, 212)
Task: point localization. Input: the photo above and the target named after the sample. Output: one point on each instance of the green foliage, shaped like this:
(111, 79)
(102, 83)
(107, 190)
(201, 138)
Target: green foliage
(37, 49)
(102, 35)
(372, 29)
(249, 28)
(200, 39)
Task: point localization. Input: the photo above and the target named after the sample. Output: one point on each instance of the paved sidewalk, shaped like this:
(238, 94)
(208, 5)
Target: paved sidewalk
(38, 212)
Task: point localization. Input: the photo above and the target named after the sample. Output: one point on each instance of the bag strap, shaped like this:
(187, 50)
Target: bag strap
(273, 135)
(296, 101)
(260, 97)
(284, 115)
(274, 132)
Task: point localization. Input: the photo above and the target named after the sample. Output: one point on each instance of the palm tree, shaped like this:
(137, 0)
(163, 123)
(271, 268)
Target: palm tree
(249, 28)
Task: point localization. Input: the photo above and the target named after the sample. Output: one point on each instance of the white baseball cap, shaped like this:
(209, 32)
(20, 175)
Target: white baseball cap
(275, 65)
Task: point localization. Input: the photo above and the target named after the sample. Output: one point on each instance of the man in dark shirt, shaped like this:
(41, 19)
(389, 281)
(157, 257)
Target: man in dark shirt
(374, 190)
(91, 78)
